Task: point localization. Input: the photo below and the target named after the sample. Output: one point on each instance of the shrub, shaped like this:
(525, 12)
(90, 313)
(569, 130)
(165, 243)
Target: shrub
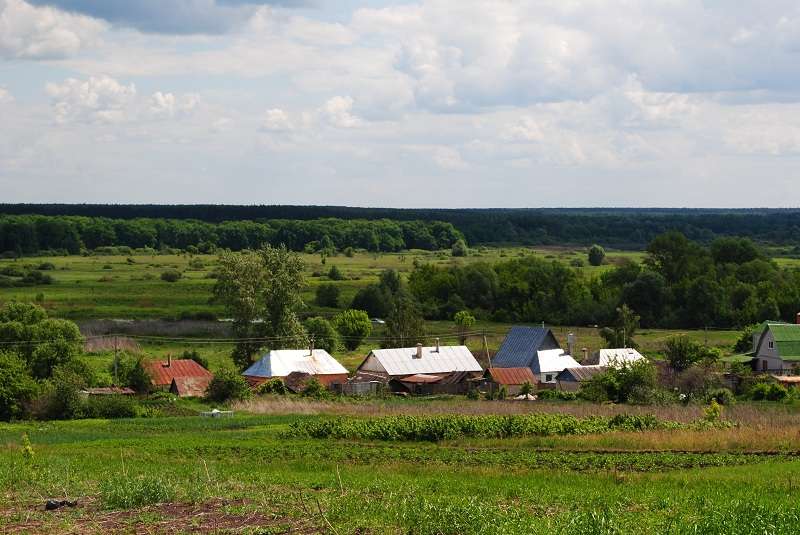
(596, 255)
(328, 295)
(315, 389)
(46, 266)
(273, 386)
(526, 388)
(559, 395)
(196, 263)
(349, 252)
(713, 413)
(459, 248)
(354, 326)
(576, 263)
(630, 383)
(473, 394)
(335, 274)
(227, 385)
(502, 393)
(723, 396)
(111, 407)
(768, 392)
(171, 275)
(16, 387)
(129, 493)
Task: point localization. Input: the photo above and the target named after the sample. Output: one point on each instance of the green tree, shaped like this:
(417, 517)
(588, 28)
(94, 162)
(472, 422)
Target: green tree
(404, 326)
(323, 334)
(464, 322)
(681, 353)
(460, 248)
(354, 326)
(596, 255)
(327, 295)
(374, 299)
(17, 388)
(622, 331)
(63, 399)
(261, 292)
(58, 341)
(631, 383)
(227, 385)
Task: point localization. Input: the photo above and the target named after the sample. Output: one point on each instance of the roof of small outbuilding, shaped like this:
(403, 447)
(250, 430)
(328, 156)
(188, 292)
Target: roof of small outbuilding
(511, 376)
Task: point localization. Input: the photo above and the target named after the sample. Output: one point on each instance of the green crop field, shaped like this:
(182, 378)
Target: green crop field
(253, 474)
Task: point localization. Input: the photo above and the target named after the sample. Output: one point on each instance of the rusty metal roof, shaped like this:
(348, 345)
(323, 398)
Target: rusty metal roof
(581, 373)
(190, 386)
(161, 373)
(512, 376)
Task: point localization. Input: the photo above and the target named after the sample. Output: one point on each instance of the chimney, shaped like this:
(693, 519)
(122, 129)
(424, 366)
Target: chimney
(169, 360)
(585, 352)
(419, 352)
(311, 347)
(571, 344)
(437, 345)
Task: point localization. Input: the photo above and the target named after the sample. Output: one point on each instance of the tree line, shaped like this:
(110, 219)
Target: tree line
(622, 228)
(36, 234)
(680, 283)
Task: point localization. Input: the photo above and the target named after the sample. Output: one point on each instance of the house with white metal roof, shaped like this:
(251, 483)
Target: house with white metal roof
(615, 357)
(420, 360)
(279, 363)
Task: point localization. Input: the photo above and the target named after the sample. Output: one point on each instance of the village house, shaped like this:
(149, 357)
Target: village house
(162, 373)
(776, 348)
(614, 357)
(535, 348)
(281, 363)
(422, 369)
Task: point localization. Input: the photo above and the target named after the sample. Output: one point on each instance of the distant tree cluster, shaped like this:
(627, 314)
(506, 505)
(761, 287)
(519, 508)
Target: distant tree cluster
(33, 234)
(630, 228)
(730, 283)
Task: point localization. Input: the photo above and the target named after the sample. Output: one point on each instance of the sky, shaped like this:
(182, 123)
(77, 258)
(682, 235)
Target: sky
(426, 103)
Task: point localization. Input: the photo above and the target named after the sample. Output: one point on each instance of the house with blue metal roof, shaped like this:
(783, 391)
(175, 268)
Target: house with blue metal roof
(535, 348)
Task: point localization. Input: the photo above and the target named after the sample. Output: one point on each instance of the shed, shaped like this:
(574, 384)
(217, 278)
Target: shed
(425, 384)
(571, 379)
(162, 373)
(280, 363)
(190, 387)
(511, 378)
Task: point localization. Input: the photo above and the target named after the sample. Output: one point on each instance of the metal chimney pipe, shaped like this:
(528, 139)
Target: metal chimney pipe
(419, 351)
(437, 345)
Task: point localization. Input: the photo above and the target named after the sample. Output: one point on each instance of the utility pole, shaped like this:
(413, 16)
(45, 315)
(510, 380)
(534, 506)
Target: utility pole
(116, 361)
(486, 351)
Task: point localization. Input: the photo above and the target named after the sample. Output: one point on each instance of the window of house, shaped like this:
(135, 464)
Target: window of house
(548, 378)
(764, 365)
(770, 344)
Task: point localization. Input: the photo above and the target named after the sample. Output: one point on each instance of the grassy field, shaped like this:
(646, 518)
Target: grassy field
(247, 475)
(130, 287)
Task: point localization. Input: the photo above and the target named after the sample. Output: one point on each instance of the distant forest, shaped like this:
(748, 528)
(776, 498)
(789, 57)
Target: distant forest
(385, 229)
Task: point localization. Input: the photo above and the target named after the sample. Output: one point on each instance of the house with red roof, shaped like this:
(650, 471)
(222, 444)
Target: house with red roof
(163, 373)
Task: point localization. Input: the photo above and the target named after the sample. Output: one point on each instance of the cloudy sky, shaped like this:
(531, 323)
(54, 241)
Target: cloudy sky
(426, 103)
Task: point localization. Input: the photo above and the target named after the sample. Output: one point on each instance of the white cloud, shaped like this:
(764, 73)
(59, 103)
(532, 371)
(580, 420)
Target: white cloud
(276, 120)
(95, 100)
(168, 106)
(5, 96)
(28, 32)
(338, 112)
(448, 158)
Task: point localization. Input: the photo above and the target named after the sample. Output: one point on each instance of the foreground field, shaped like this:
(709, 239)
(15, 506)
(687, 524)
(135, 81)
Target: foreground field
(248, 474)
